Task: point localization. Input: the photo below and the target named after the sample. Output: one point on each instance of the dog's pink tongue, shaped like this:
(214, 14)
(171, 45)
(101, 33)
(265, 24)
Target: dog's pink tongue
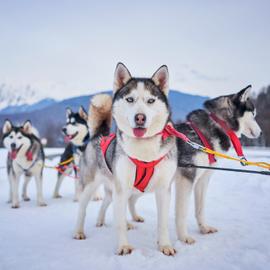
(139, 132)
(67, 138)
(13, 154)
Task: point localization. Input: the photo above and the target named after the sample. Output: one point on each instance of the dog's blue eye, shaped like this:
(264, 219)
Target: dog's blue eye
(11, 137)
(20, 137)
(151, 100)
(130, 99)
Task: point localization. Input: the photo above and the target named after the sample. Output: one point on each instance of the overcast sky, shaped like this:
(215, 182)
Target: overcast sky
(68, 48)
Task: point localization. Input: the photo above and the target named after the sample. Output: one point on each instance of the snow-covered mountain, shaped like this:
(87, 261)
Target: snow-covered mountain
(48, 116)
(22, 97)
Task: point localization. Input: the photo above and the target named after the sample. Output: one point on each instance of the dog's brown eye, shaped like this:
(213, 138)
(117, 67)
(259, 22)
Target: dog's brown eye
(130, 99)
(151, 100)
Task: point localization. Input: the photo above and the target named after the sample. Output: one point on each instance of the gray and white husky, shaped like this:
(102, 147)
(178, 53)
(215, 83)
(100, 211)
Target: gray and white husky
(141, 111)
(25, 157)
(77, 136)
(238, 112)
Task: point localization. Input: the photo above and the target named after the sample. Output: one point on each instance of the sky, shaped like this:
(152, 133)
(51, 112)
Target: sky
(71, 48)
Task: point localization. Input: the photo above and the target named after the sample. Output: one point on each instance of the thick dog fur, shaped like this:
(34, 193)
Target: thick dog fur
(20, 141)
(77, 133)
(132, 96)
(239, 113)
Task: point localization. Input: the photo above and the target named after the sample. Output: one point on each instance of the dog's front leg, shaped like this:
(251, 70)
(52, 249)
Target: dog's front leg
(15, 191)
(132, 209)
(163, 196)
(60, 178)
(25, 185)
(10, 189)
(120, 200)
(39, 180)
(78, 190)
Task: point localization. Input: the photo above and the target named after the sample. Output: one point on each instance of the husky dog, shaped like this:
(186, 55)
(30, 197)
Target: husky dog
(141, 111)
(77, 136)
(25, 157)
(238, 112)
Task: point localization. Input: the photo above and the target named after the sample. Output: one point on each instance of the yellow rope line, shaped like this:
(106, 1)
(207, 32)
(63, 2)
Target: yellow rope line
(66, 161)
(263, 165)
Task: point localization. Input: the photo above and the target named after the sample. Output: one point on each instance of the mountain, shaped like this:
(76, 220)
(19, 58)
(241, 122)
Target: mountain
(50, 118)
(28, 108)
(21, 99)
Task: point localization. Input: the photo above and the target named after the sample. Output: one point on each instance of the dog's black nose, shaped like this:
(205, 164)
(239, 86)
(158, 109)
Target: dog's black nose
(64, 129)
(140, 119)
(13, 146)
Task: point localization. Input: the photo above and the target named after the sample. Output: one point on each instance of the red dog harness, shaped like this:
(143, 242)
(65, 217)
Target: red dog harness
(13, 155)
(231, 134)
(144, 170)
(204, 140)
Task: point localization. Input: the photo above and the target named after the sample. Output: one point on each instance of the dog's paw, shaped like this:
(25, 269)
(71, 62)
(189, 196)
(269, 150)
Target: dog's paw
(187, 240)
(205, 229)
(167, 250)
(79, 236)
(124, 250)
(15, 205)
(100, 224)
(138, 219)
(97, 198)
(42, 204)
(57, 196)
(26, 199)
(130, 226)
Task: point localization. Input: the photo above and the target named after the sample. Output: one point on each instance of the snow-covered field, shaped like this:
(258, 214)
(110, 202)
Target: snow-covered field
(34, 238)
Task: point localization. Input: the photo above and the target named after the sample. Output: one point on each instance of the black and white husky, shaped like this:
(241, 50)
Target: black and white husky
(237, 113)
(141, 111)
(25, 157)
(77, 136)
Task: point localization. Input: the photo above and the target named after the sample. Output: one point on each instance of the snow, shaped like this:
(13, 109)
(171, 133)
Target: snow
(41, 238)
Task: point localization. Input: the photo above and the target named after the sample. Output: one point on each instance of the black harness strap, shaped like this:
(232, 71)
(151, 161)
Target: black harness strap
(187, 165)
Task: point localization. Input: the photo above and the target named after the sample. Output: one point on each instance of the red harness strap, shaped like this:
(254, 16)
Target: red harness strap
(204, 140)
(144, 170)
(105, 142)
(231, 134)
(13, 155)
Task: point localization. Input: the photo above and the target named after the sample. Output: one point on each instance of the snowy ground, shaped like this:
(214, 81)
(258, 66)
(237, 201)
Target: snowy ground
(41, 238)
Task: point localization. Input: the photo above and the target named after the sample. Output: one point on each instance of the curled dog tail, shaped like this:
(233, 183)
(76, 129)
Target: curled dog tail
(100, 115)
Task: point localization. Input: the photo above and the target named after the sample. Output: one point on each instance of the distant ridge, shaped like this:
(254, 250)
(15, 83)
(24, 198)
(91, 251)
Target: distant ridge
(49, 115)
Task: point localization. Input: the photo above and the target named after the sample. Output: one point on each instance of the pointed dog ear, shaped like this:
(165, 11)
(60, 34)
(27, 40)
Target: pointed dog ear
(161, 79)
(121, 76)
(83, 113)
(244, 94)
(27, 127)
(68, 112)
(7, 126)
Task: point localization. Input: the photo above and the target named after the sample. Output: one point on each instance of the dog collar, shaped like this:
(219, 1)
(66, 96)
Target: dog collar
(231, 134)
